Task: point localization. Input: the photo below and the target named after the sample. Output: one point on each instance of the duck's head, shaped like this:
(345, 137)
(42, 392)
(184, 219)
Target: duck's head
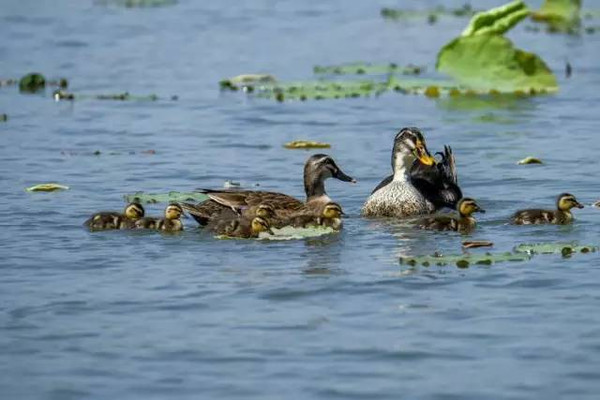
(265, 211)
(317, 169)
(566, 201)
(260, 224)
(467, 206)
(134, 211)
(333, 210)
(173, 211)
(409, 145)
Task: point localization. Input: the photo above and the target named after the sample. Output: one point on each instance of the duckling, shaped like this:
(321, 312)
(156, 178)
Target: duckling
(114, 220)
(240, 227)
(170, 223)
(562, 215)
(317, 169)
(419, 184)
(328, 215)
(465, 223)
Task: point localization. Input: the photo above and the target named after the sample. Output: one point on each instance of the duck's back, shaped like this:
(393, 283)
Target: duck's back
(108, 220)
(396, 199)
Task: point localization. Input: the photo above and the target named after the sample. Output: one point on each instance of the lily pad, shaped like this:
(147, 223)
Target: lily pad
(530, 160)
(564, 249)
(306, 144)
(150, 198)
(464, 260)
(46, 187)
(482, 59)
(360, 68)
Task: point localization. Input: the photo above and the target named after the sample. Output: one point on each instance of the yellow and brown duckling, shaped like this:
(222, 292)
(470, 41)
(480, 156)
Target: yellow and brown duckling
(114, 220)
(239, 227)
(562, 215)
(170, 223)
(464, 223)
(317, 169)
(327, 215)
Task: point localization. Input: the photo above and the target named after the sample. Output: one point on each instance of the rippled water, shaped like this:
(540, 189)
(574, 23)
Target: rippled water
(137, 315)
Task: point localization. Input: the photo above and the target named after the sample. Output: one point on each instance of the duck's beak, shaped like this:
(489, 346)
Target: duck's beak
(339, 174)
(578, 205)
(423, 154)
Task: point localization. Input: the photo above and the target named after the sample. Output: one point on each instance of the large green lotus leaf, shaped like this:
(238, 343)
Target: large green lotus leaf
(491, 62)
(464, 260)
(498, 20)
(150, 198)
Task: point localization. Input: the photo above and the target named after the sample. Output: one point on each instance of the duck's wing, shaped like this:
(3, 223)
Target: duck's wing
(242, 199)
(383, 183)
(438, 182)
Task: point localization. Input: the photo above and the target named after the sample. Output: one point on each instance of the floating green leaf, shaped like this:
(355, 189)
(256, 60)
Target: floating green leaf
(530, 160)
(360, 68)
(564, 249)
(306, 144)
(464, 260)
(149, 198)
(399, 14)
(32, 82)
(46, 187)
(560, 15)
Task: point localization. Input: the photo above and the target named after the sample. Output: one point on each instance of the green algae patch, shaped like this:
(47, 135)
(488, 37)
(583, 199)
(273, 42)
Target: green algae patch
(484, 60)
(3, 117)
(306, 144)
(32, 83)
(151, 198)
(47, 187)
(564, 249)
(361, 68)
(464, 260)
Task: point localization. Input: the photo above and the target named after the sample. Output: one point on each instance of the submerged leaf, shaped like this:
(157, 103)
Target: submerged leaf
(560, 15)
(47, 187)
(149, 198)
(306, 144)
(530, 160)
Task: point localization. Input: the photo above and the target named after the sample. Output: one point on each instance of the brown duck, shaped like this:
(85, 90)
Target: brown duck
(221, 203)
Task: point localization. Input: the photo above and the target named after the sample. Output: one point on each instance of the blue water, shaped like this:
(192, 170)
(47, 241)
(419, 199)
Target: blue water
(133, 315)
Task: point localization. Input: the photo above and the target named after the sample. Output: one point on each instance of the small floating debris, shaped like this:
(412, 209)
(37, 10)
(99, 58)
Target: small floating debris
(231, 184)
(61, 95)
(246, 80)
(361, 68)
(472, 244)
(597, 204)
(46, 187)
(306, 144)
(137, 3)
(466, 10)
(530, 160)
(3, 117)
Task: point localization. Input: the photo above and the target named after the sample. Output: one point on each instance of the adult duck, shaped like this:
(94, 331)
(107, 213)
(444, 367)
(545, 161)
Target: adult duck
(317, 169)
(419, 184)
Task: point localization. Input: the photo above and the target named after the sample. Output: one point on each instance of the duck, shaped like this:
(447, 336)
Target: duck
(170, 223)
(106, 220)
(327, 215)
(220, 203)
(241, 227)
(419, 184)
(464, 223)
(561, 216)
